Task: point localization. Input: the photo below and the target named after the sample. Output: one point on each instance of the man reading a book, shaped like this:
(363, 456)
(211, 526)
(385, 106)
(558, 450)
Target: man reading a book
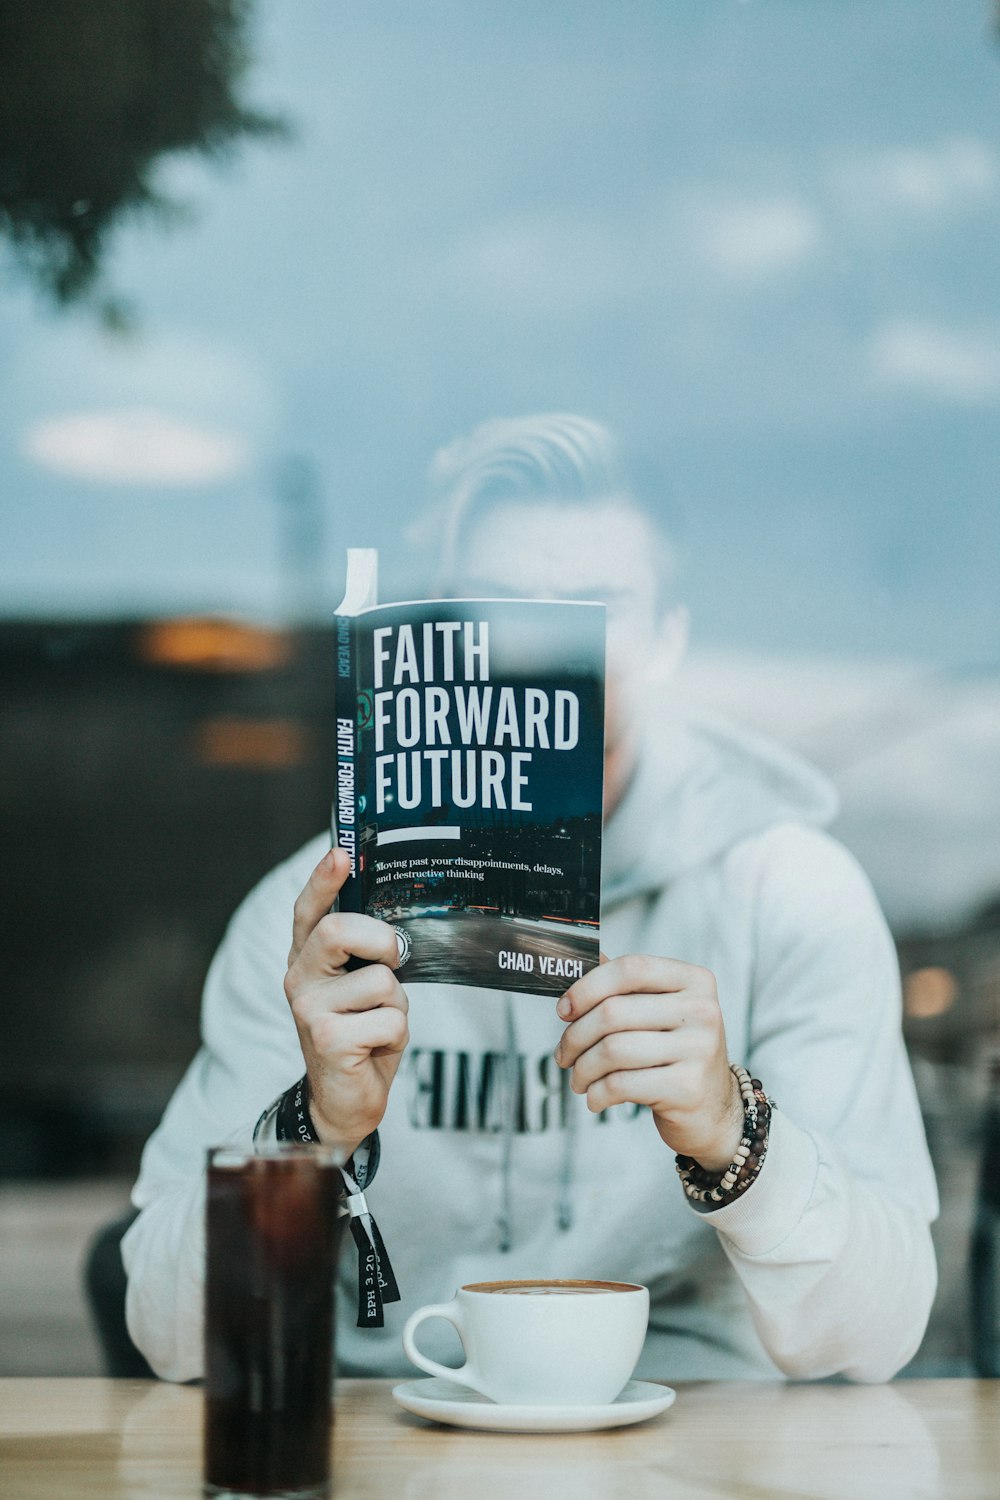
(722, 1110)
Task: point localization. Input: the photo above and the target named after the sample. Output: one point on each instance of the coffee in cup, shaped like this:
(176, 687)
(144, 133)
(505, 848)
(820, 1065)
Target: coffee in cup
(541, 1342)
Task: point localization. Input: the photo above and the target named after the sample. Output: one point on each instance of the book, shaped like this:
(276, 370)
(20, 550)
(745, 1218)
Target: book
(469, 781)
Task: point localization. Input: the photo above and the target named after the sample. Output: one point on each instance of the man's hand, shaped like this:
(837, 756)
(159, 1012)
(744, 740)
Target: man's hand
(352, 1026)
(649, 1031)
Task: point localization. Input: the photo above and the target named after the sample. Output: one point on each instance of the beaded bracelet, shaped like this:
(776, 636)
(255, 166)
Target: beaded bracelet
(715, 1189)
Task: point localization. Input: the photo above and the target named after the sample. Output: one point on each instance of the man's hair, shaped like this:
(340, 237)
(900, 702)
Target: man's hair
(553, 457)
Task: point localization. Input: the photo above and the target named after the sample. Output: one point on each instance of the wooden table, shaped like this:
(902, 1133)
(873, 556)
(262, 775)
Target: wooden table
(915, 1440)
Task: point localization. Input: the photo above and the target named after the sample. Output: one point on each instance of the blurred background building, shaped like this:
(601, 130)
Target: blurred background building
(260, 260)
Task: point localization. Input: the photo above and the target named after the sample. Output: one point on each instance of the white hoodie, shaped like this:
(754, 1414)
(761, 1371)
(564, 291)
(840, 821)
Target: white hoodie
(491, 1168)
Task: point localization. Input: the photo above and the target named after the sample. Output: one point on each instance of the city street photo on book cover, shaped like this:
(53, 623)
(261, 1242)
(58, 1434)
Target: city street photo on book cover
(469, 784)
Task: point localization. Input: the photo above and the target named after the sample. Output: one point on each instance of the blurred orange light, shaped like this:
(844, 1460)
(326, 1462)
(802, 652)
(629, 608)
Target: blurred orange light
(929, 992)
(208, 645)
(253, 744)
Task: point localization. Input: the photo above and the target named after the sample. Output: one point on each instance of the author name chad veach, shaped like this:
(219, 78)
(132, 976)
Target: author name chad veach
(524, 963)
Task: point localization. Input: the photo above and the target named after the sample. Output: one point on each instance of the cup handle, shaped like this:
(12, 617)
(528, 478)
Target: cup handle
(464, 1375)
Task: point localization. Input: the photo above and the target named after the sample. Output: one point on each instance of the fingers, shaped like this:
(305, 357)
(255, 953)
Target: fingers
(646, 1086)
(364, 989)
(644, 1029)
(636, 973)
(334, 939)
(666, 1008)
(379, 1033)
(352, 1025)
(321, 891)
(619, 1013)
(631, 1052)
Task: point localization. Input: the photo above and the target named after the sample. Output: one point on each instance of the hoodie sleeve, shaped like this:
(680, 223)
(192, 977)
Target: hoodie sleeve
(832, 1242)
(249, 1055)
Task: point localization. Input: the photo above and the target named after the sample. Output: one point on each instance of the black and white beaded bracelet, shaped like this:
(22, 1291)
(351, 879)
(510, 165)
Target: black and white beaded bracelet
(709, 1190)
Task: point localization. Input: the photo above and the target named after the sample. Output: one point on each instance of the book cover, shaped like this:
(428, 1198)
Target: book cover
(469, 782)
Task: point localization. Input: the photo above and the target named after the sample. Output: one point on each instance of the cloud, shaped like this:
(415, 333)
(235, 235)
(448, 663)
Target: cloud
(567, 263)
(757, 238)
(950, 364)
(949, 177)
(137, 445)
(199, 380)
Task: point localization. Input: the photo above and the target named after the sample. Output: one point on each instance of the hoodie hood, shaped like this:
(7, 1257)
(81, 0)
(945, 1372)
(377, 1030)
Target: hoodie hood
(700, 786)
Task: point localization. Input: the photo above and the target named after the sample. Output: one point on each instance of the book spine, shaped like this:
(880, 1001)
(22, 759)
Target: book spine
(348, 784)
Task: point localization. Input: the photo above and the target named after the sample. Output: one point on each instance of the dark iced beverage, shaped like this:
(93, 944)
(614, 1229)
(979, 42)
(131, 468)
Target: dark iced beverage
(272, 1233)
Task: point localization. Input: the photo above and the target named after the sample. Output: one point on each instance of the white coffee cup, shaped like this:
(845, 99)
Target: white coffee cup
(541, 1343)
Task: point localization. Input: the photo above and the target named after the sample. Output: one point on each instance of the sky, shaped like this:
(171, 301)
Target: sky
(758, 238)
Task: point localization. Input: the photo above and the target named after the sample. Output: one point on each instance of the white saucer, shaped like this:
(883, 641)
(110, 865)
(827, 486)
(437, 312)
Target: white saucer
(442, 1401)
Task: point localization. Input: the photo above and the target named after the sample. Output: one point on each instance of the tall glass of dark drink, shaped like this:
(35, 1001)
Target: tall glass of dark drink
(272, 1231)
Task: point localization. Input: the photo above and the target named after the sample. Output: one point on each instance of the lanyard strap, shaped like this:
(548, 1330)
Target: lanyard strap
(376, 1278)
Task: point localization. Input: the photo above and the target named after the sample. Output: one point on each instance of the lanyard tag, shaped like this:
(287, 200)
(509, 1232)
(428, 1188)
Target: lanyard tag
(376, 1279)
